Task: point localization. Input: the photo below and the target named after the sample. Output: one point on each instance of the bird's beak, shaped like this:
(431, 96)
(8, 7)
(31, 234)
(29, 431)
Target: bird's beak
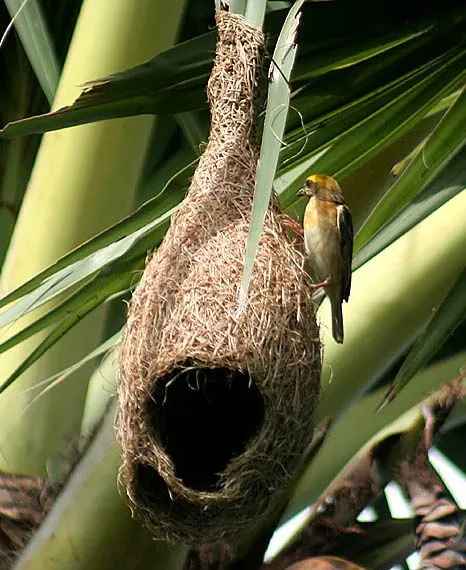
(301, 192)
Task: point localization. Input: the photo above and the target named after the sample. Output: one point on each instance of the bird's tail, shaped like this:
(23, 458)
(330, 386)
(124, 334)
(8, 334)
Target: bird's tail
(337, 320)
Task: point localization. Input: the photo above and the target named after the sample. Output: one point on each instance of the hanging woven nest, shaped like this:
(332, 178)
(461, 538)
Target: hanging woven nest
(216, 409)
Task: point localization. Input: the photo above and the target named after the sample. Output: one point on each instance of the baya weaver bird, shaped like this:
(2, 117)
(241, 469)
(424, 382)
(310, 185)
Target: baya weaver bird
(328, 242)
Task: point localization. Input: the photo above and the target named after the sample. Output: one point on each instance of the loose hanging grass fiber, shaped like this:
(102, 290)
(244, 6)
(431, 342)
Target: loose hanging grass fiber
(216, 408)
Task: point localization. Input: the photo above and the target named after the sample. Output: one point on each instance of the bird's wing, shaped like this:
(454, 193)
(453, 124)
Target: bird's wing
(345, 229)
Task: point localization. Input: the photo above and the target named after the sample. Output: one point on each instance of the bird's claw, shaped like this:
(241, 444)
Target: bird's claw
(289, 222)
(321, 284)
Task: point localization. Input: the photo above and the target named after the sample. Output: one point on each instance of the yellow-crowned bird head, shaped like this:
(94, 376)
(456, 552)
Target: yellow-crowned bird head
(322, 187)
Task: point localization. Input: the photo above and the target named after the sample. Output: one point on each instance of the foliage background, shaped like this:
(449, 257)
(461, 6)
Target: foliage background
(375, 89)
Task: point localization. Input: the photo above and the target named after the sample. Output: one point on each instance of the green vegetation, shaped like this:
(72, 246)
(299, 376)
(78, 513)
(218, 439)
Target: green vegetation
(376, 99)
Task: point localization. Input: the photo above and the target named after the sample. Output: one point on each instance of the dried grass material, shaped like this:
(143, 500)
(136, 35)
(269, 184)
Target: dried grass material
(215, 411)
(24, 503)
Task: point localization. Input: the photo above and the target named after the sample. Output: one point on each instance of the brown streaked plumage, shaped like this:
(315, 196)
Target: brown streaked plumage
(328, 241)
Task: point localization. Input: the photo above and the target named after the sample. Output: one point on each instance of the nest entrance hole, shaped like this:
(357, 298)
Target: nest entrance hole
(204, 417)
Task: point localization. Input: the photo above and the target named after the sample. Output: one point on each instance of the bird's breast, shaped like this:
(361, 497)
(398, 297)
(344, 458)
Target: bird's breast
(320, 212)
(321, 239)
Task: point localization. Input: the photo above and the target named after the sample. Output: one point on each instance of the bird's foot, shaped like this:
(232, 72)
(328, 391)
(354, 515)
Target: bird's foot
(321, 284)
(288, 222)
